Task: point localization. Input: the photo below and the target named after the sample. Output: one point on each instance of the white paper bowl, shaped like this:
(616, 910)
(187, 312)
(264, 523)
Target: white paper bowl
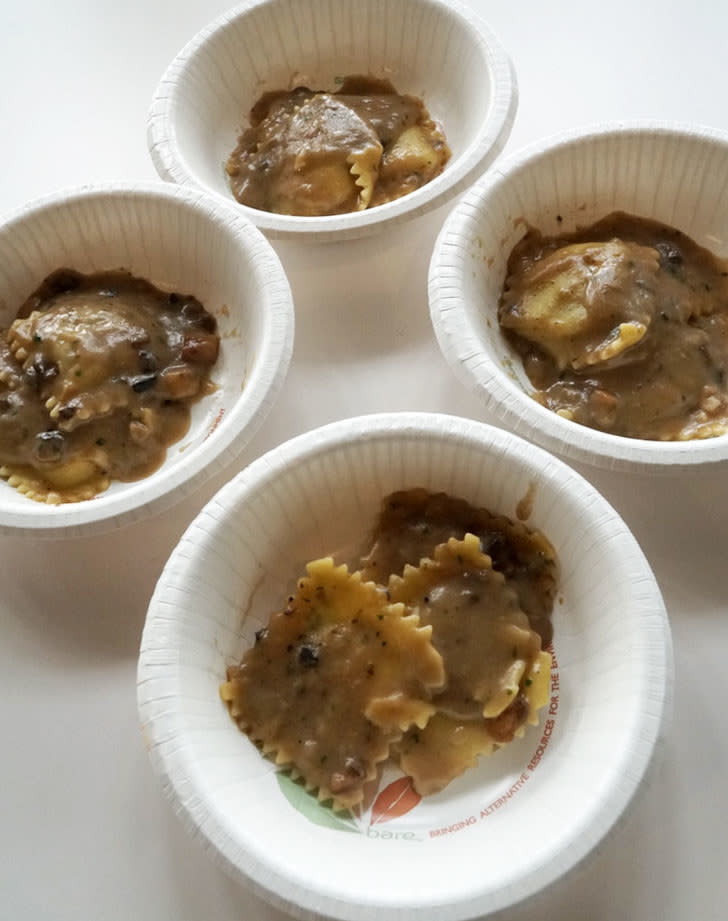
(181, 242)
(438, 51)
(674, 174)
(505, 829)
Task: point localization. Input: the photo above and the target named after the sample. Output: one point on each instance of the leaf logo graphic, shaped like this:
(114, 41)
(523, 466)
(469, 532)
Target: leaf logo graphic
(309, 806)
(395, 800)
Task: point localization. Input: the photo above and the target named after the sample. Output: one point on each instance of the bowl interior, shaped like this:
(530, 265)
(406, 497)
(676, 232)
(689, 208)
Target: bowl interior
(424, 47)
(562, 786)
(179, 243)
(675, 176)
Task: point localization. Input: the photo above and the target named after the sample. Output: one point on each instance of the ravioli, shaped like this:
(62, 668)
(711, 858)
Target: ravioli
(446, 748)
(333, 680)
(311, 153)
(97, 374)
(448, 745)
(572, 301)
(623, 327)
(478, 626)
(412, 522)
(430, 668)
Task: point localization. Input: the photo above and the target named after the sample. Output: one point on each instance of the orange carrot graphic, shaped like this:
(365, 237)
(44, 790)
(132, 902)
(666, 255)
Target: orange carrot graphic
(395, 800)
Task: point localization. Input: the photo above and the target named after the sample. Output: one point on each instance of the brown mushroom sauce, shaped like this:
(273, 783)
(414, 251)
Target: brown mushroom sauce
(436, 643)
(312, 153)
(97, 374)
(623, 327)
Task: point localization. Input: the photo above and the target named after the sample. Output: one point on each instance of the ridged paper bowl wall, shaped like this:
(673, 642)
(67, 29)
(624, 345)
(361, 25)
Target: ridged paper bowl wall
(502, 830)
(677, 175)
(438, 51)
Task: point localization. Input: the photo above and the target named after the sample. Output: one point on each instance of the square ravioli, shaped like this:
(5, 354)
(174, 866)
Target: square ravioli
(336, 633)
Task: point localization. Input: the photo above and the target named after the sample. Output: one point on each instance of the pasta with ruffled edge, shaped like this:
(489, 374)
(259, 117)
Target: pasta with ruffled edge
(449, 746)
(334, 679)
(412, 522)
(96, 376)
(622, 327)
(313, 153)
(476, 707)
(477, 626)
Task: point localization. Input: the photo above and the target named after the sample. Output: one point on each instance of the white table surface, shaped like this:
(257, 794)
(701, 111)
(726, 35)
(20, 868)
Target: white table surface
(85, 832)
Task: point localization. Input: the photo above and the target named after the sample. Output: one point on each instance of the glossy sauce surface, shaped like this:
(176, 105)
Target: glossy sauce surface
(413, 522)
(312, 153)
(97, 374)
(433, 645)
(623, 327)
